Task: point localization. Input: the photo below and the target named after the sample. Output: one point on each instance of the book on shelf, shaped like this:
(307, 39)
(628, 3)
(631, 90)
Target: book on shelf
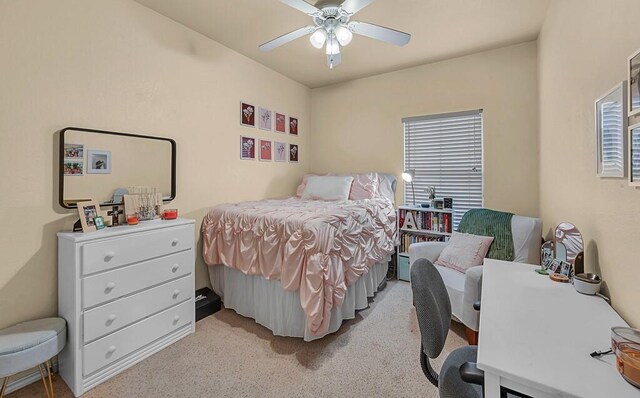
(425, 220)
(406, 239)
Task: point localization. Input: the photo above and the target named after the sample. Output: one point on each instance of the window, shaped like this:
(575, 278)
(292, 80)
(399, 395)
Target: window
(446, 152)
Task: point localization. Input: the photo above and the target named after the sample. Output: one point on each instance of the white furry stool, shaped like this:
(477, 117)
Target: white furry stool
(30, 344)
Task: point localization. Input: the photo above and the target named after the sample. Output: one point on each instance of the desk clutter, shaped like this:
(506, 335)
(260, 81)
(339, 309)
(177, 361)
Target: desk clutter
(141, 203)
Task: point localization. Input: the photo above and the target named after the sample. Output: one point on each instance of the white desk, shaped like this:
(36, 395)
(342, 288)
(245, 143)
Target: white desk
(536, 336)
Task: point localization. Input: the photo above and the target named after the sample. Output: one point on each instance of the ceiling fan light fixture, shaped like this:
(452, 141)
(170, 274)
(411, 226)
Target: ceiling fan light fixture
(318, 38)
(333, 47)
(344, 35)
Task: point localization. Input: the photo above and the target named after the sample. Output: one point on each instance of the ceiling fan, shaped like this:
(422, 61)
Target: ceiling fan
(333, 27)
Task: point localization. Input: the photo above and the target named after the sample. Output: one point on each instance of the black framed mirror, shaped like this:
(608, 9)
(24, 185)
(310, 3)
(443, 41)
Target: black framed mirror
(99, 165)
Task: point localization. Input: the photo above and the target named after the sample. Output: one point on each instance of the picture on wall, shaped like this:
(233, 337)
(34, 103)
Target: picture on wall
(247, 148)
(265, 119)
(280, 151)
(98, 162)
(293, 153)
(633, 68)
(281, 123)
(611, 127)
(265, 150)
(293, 125)
(247, 114)
(634, 155)
(73, 167)
(73, 151)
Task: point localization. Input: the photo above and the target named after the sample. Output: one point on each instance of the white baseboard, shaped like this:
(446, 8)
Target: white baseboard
(16, 384)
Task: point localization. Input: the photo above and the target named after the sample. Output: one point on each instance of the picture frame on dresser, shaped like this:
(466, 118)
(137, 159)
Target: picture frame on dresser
(611, 137)
(88, 211)
(634, 155)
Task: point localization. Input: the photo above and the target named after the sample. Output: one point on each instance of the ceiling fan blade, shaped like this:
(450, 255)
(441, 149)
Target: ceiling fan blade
(286, 38)
(353, 6)
(303, 6)
(380, 33)
(334, 60)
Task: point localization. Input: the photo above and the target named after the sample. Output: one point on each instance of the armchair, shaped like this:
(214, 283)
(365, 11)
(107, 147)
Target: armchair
(464, 289)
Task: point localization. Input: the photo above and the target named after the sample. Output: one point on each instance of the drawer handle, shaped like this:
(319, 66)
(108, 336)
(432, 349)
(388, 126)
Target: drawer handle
(111, 350)
(175, 267)
(176, 319)
(176, 293)
(175, 242)
(110, 287)
(109, 256)
(110, 319)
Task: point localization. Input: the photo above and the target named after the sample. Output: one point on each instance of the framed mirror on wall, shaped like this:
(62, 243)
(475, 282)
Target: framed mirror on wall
(100, 165)
(611, 127)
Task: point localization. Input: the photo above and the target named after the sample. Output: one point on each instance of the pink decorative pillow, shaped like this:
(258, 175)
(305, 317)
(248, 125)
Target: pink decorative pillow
(365, 186)
(464, 251)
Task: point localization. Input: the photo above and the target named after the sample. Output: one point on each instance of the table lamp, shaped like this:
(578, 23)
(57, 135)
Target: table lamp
(408, 176)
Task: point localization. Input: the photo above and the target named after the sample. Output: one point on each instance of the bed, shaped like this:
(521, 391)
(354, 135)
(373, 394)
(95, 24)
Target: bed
(300, 267)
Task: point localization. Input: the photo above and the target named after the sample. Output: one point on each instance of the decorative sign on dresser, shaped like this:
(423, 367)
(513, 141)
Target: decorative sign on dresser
(126, 293)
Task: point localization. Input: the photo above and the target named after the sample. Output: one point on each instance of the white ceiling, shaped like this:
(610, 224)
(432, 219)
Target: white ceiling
(440, 29)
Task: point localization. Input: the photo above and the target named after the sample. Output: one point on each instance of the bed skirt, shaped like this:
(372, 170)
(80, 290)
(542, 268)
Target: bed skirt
(280, 311)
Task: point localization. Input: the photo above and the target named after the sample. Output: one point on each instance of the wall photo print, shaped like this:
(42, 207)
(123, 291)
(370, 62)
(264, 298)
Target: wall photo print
(265, 150)
(265, 119)
(293, 125)
(280, 151)
(98, 162)
(281, 123)
(293, 153)
(73, 167)
(73, 151)
(247, 114)
(247, 148)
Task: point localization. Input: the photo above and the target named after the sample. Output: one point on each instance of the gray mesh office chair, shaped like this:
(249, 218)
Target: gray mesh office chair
(433, 309)
(459, 376)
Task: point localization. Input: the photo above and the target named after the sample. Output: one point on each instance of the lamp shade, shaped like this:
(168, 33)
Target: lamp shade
(408, 175)
(318, 38)
(333, 47)
(343, 35)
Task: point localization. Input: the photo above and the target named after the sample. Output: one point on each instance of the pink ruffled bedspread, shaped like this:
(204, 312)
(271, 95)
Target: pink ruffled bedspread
(316, 247)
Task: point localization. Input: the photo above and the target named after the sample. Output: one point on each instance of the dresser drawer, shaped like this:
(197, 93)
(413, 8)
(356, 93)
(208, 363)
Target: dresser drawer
(106, 318)
(112, 253)
(109, 349)
(97, 289)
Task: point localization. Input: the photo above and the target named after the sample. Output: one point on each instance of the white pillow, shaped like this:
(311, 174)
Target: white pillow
(464, 251)
(327, 188)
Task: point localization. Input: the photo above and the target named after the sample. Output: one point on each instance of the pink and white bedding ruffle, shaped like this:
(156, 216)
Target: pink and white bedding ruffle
(315, 247)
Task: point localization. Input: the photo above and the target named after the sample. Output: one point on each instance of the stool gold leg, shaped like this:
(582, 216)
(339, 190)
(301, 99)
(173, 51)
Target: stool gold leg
(4, 386)
(46, 378)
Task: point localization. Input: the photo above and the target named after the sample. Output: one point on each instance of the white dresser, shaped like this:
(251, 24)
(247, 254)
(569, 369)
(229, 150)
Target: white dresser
(126, 292)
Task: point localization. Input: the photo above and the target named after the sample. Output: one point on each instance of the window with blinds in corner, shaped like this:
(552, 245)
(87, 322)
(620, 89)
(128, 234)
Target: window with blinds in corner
(446, 152)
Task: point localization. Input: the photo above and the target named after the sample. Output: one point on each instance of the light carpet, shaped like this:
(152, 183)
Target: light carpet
(375, 354)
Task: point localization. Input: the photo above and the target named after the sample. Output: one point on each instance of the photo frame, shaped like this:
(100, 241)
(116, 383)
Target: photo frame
(99, 222)
(73, 167)
(247, 148)
(73, 151)
(265, 119)
(634, 155)
(247, 114)
(98, 162)
(266, 150)
(280, 151)
(294, 153)
(293, 125)
(281, 123)
(88, 211)
(611, 126)
(633, 83)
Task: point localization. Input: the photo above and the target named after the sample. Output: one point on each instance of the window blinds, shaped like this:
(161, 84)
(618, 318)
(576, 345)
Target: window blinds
(446, 152)
(612, 162)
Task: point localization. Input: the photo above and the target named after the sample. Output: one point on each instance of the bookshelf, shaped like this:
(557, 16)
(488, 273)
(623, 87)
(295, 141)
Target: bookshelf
(420, 224)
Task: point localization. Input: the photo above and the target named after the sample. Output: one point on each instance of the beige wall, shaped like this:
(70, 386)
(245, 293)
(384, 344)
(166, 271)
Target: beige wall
(116, 65)
(357, 125)
(583, 50)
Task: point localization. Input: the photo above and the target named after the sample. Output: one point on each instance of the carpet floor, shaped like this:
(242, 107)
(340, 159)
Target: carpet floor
(375, 354)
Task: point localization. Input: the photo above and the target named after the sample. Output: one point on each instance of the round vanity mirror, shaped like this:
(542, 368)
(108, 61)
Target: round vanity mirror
(569, 239)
